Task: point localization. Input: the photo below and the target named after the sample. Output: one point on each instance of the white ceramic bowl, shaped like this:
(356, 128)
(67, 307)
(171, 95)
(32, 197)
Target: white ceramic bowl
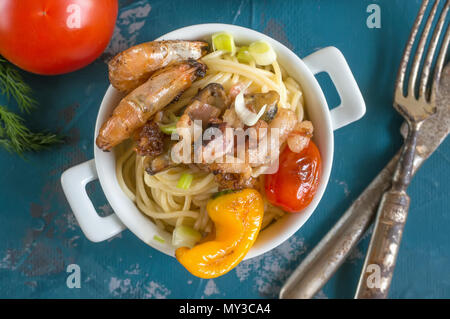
(127, 215)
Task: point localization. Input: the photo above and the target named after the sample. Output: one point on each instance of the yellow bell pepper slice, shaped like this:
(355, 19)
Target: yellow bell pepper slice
(237, 218)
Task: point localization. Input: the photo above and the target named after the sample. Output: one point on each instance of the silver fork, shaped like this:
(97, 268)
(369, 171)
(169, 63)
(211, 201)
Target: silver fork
(380, 261)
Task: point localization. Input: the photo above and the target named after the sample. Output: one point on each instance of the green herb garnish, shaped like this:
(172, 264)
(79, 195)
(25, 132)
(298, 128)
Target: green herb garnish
(170, 128)
(185, 181)
(159, 239)
(15, 136)
(13, 85)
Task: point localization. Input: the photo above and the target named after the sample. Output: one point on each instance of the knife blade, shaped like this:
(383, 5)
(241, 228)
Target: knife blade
(323, 261)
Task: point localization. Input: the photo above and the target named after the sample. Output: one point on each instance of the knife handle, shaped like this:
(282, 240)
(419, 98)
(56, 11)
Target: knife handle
(380, 261)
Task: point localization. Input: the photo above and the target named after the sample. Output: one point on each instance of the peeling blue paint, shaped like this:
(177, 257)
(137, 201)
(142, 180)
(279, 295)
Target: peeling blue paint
(39, 236)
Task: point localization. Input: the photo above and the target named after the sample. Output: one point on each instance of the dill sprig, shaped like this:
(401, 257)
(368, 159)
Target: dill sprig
(13, 85)
(14, 135)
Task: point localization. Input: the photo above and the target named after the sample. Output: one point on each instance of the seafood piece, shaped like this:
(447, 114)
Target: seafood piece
(255, 101)
(236, 89)
(159, 164)
(218, 141)
(213, 94)
(152, 143)
(137, 107)
(257, 132)
(268, 145)
(232, 119)
(299, 138)
(234, 181)
(251, 107)
(239, 173)
(284, 121)
(207, 104)
(185, 128)
(132, 67)
(265, 149)
(154, 165)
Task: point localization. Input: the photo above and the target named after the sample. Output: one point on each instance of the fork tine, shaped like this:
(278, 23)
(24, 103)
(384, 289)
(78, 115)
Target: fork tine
(409, 45)
(419, 51)
(431, 50)
(439, 66)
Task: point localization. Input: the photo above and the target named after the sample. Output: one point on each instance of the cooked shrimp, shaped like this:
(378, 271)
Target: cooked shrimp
(137, 107)
(206, 106)
(284, 121)
(232, 119)
(299, 138)
(132, 67)
(268, 149)
(278, 132)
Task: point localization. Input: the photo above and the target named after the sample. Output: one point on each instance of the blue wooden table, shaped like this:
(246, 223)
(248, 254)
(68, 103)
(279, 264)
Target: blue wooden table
(39, 236)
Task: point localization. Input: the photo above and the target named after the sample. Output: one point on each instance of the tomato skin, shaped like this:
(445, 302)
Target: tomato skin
(55, 36)
(295, 183)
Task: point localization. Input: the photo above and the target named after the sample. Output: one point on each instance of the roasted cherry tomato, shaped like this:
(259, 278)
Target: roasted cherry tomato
(295, 183)
(55, 36)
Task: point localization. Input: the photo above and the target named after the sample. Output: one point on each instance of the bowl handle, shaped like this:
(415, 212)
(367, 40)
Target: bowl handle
(331, 61)
(74, 182)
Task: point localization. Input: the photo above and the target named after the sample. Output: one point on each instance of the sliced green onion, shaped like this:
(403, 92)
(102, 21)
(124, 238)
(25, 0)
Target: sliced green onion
(262, 52)
(244, 55)
(168, 128)
(159, 239)
(185, 236)
(171, 127)
(185, 181)
(223, 41)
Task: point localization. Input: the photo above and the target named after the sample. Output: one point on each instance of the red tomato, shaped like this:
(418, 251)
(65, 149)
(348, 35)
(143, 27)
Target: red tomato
(295, 183)
(55, 36)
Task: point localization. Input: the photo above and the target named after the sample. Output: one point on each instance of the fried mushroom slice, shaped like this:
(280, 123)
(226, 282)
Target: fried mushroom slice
(234, 181)
(149, 140)
(255, 101)
(209, 103)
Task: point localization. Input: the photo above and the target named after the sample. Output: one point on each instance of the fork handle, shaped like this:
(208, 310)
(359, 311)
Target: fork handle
(379, 264)
(380, 261)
